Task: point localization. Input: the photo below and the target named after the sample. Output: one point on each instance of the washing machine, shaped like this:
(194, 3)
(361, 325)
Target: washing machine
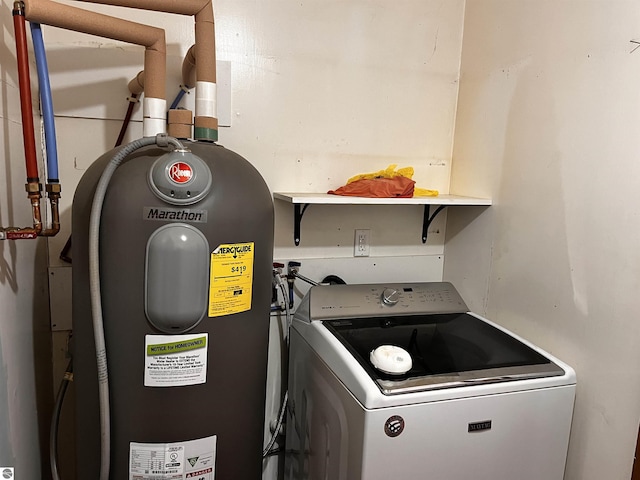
(401, 381)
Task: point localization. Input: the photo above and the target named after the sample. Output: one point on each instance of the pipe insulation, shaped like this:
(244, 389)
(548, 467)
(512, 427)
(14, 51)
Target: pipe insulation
(22, 54)
(46, 103)
(153, 39)
(206, 121)
(189, 68)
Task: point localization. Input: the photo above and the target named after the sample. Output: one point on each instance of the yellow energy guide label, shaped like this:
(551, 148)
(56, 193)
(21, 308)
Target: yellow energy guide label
(231, 279)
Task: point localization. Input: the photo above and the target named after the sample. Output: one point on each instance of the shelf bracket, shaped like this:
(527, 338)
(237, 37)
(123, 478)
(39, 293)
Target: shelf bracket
(297, 218)
(426, 221)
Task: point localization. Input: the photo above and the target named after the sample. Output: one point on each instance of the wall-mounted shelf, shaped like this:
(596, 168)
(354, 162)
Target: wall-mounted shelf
(301, 202)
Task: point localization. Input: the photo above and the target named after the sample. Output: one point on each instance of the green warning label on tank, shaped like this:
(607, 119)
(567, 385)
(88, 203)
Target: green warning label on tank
(175, 347)
(231, 281)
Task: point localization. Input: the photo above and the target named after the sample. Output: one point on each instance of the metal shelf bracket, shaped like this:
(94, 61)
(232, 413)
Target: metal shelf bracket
(426, 221)
(297, 218)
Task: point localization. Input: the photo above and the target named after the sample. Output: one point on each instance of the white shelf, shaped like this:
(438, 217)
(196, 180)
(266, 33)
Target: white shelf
(327, 199)
(306, 199)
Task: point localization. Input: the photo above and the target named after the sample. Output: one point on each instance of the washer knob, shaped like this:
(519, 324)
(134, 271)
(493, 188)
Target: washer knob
(390, 296)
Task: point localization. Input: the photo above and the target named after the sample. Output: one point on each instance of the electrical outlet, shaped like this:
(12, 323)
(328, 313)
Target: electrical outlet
(361, 243)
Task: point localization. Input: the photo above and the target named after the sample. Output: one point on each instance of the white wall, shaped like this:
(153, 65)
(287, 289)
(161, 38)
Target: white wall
(25, 349)
(320, 91)
(547, 124)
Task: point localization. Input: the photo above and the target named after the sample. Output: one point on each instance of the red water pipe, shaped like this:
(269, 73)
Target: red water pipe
(25, 93)
(33, 186)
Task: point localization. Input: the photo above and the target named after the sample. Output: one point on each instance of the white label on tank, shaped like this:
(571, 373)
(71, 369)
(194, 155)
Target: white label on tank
(175, 360)
(194, 459)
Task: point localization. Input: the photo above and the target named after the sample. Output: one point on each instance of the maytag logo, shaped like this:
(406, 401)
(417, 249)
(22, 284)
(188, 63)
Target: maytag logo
(394, 426)
(479, 426)
(174, 214)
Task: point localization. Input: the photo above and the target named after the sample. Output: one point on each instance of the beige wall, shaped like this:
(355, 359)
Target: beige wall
(547, 124)
(25, 346)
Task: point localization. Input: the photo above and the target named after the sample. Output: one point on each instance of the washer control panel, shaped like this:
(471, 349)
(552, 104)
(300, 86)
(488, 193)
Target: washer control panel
(326, 302)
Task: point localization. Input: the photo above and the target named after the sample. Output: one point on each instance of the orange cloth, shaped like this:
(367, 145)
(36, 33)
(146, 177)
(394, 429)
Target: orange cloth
(398, 187)
(387, 183)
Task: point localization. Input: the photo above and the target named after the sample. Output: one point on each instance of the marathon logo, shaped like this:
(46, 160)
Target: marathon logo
(174, 214)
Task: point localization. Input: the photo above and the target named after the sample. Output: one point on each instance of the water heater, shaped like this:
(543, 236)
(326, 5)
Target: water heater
(186, 245)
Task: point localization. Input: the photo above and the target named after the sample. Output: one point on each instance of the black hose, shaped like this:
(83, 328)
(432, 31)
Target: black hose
(127, 119)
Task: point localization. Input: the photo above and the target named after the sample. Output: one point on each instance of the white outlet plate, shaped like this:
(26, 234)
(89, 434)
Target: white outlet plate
(361, 243)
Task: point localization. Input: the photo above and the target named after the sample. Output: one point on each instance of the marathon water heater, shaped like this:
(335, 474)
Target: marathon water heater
(186, 247)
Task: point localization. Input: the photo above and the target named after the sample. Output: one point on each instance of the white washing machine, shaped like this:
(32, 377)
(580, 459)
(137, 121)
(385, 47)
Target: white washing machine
(452, 396)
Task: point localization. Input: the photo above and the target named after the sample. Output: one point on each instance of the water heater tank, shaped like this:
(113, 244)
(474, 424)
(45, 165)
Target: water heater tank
(186, 251)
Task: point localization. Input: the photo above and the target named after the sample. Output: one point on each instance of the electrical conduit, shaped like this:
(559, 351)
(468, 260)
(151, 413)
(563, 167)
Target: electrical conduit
(160, 140)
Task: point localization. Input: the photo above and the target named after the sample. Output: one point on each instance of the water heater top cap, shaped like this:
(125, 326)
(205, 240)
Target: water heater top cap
(180, 177)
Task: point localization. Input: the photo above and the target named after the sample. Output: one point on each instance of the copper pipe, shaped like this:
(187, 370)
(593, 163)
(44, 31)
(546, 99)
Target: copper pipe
(53, 193)
(12, 233)
(29, 233)
(28, 135)
(36, 214)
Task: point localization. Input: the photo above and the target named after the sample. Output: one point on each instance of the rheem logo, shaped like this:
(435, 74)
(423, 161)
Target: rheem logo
(180, 172)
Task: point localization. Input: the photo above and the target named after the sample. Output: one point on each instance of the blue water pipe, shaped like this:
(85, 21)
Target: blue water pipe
(176, 101)
(46, 103)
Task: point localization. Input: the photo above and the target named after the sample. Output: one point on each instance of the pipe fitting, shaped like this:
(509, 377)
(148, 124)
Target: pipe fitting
(54, 202)
(33, 188)
(34, 193)
(53, 188)
(14, 233)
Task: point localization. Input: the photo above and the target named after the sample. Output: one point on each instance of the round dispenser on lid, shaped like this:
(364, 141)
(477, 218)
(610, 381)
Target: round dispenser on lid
(391, 359)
